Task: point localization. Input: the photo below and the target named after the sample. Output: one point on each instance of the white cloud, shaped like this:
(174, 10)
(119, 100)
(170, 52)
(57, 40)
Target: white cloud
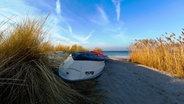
(118, 8)
(88, 36)
(83, 39)
(70, 29)
(103, 14)
(100, 18)
(59, 39)
(13, 12)
(96, 21)
(58, 7)
(120, 36)
(19, 9)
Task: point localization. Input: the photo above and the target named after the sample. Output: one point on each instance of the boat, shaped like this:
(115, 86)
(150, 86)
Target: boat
(98, 54)
(81, 66)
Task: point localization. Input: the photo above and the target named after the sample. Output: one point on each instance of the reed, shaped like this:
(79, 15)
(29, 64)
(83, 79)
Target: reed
(26, 76)
(165, 53)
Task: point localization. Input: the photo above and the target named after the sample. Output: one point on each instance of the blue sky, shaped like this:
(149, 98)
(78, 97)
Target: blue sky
(109, 24)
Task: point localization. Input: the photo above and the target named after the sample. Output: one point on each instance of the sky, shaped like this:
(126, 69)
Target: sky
(108, 24)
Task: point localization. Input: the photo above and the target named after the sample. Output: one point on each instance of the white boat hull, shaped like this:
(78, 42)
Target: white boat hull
(76, 70)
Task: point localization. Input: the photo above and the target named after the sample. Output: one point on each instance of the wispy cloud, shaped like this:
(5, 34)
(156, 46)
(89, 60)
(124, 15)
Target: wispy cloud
(9, 14)
(103, 14)
(118, 8)
(18, 9)
(58, 7)
(90, 34)
(59, 39)
(83, 39)
(79, 38)
(100, 18)
(70, 29)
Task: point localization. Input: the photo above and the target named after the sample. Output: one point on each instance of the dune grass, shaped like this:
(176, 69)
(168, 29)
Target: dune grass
(166, 53)
(61, 47)
(26, 76)
(97, 49)
(77, 48)
(70, 49)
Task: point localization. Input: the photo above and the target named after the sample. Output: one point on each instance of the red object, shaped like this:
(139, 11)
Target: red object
(98, 53)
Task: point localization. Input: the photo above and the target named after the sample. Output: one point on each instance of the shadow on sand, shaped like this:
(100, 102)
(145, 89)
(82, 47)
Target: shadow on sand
(123, 82)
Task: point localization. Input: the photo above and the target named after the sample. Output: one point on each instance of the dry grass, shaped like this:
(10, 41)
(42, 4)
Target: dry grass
(165, 54)
(77, 48)
(25, 73)
(97, 49)
(61, 47)
(70, 49)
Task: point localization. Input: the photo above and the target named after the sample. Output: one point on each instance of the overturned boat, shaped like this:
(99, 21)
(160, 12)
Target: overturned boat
(81, 66)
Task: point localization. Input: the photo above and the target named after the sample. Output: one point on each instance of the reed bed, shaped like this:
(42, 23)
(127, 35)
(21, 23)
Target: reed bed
(26, 76)
(165, 53)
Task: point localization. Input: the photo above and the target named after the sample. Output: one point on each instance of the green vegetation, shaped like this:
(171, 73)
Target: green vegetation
(164, 54)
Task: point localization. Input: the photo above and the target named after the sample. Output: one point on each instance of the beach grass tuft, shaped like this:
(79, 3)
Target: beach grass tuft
(26, 76)
(165, 53)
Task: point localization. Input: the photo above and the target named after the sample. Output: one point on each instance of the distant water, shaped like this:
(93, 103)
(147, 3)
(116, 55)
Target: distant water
(117, 54)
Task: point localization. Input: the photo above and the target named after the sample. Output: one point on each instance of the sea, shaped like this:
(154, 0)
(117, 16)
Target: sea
(117, 54)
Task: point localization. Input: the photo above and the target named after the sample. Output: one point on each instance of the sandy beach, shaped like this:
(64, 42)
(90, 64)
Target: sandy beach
(129, 83)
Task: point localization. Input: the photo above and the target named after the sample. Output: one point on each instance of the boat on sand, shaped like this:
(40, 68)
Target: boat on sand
(81, 66)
